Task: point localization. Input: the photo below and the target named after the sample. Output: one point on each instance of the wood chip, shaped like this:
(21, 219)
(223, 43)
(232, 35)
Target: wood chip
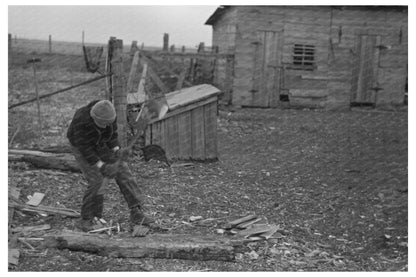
(195, 218)
(14, 192)
(36, 199)
(14, 256)
(140, 231)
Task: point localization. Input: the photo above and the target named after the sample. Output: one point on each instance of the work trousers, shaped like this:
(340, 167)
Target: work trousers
(92, 202)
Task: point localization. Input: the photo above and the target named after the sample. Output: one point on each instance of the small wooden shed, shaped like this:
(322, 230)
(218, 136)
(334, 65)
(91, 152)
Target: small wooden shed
(328, 57)
(189, 129)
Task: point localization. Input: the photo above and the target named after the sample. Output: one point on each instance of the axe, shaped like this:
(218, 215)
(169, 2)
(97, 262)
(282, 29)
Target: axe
(151, 109)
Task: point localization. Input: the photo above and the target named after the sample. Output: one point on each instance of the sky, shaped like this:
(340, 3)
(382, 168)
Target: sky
(184, 21)
(185, 24)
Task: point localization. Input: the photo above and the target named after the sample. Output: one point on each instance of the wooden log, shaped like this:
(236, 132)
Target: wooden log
(66, 148)
(165, 246)
(63, 161)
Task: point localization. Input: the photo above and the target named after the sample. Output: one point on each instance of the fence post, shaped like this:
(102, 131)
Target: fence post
(172, 48)
(83, 37)
(133, 47)
(183, 49)
(201, 47)
(165, 42)
(10, 49)
(118, 88)
(50, 44)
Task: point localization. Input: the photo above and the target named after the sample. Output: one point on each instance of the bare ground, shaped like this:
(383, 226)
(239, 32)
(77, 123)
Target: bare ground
(336, 182)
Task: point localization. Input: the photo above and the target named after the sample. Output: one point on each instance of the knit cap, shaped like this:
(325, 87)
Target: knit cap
(103, 113)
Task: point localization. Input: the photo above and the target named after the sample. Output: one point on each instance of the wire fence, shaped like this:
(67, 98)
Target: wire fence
(37, 46)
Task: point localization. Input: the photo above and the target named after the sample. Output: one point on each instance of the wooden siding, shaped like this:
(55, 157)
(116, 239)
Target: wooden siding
(189, 129)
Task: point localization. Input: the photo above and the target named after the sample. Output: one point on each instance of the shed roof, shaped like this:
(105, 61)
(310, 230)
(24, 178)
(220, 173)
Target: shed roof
(223, 9)
(214, 17)
(187, 96)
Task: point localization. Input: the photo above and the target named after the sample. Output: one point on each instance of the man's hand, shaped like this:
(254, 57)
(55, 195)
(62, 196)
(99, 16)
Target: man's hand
(109, 170)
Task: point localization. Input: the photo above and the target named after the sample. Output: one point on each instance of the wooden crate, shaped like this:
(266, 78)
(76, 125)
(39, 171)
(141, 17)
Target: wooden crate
(189, 129)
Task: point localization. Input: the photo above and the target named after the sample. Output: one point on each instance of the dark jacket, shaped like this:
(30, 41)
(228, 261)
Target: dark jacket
(88, 138)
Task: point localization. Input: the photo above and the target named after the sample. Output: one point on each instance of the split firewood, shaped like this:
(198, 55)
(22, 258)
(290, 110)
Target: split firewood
(256, 238)
(14, 192)
(26, 243)
(44, 209)
(271, 232)
(234, 223)
(35, 199)
(246, 224)
(267, 230)
(28, 229)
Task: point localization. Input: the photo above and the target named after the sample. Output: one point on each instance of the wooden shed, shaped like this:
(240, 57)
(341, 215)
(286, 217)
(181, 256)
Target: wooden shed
(329, 57)
(189, 130)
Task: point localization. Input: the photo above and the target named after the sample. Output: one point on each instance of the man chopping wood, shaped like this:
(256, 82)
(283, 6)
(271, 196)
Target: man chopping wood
(94, 140)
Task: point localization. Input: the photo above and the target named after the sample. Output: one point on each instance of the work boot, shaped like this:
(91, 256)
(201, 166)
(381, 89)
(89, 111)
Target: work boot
(87, 225)
(137, 217)
(93, 206)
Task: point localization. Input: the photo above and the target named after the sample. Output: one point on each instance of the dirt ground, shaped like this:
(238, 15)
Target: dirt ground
(336, 182)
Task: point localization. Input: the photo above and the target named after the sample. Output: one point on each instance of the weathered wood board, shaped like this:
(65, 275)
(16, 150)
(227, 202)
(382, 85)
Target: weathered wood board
(189, 130)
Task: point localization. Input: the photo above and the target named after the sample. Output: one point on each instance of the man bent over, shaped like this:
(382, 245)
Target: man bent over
(94, 141)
